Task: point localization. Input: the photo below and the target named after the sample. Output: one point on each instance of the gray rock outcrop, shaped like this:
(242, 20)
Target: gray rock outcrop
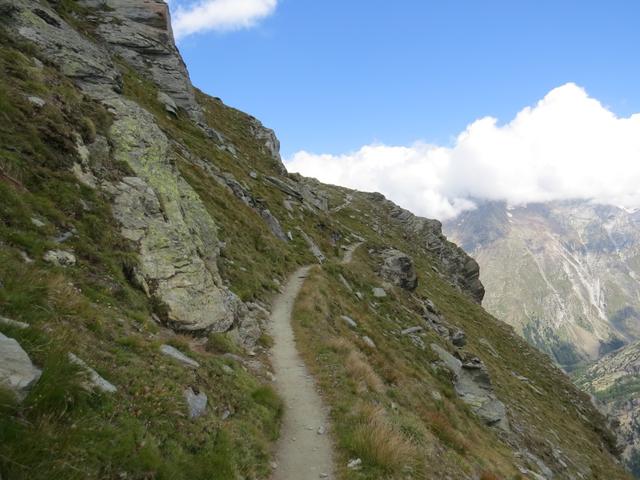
(271, 143)
(313, 247)
(300, 189)
(95, 380)
(473, 385)
(176, 354)
(140, 33)
(398, 269)
(17, 372)
(379, 292)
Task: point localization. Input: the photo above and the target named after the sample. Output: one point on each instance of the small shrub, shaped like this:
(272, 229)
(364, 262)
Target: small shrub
(221, 343)
(267, 397)
(87, 130)
(266, 341)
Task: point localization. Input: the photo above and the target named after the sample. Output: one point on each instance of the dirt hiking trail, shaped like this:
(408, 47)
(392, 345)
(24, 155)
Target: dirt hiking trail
(304, 450)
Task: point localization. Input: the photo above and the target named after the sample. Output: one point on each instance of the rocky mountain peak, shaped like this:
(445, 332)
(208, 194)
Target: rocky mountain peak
(140, 33)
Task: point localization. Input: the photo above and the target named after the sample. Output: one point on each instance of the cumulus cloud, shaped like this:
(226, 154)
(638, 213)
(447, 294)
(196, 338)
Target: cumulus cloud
(567, 146)
(219, 15)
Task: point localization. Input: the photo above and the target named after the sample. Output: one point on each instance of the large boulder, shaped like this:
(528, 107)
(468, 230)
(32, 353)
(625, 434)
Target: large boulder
(17, 372)
(398, 269)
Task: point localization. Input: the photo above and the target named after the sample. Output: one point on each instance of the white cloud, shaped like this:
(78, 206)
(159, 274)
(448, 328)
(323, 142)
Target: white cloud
(567, 146)
(220, 15)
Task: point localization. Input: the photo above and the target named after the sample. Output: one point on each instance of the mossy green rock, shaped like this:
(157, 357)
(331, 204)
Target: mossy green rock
(176, 237)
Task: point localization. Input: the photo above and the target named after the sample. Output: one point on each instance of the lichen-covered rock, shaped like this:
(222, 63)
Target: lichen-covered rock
(61, 258)
(17, 373)
(158, 210)
(176, 237)
(85, 62)
(398, 269)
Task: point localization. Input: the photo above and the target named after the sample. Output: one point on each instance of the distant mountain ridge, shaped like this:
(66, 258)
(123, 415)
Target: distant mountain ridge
(564, 274)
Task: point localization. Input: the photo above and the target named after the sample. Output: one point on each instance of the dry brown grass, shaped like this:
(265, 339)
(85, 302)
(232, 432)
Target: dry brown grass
(441, 427)
(340, 345)
(362, 373)
(488, 476)
(378, 442)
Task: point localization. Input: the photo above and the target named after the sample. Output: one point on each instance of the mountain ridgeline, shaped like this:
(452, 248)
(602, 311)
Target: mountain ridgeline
(145, 229)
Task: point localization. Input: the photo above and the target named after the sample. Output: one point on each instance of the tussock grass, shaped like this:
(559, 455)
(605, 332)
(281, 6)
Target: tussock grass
(377, 441)
(440, 425)
(363, 375)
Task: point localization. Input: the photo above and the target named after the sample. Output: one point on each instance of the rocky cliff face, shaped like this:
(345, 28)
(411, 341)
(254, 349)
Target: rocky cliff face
(563, 274)
(145, 228)
(461, 269)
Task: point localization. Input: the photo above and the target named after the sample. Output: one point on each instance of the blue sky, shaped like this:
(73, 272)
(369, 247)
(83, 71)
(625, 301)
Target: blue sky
(332, 77)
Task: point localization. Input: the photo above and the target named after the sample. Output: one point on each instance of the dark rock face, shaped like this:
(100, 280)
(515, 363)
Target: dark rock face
(398, 269)
(140, 32)
(462, 270)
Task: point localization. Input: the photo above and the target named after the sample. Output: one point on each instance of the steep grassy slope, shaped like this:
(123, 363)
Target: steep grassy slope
(394, 406)
(93, 310)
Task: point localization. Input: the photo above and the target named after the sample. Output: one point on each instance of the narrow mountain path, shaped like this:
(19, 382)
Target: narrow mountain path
(304, 450)
(347, 201)
(348, 253)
